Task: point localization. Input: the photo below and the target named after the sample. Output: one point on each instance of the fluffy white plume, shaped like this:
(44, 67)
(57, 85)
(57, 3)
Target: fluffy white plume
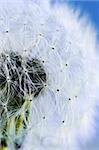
(62, 116)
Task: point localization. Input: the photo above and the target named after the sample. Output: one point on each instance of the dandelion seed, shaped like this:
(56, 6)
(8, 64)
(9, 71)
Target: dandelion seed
(57, 90)
(44, 117)
(53, 48)
(7, 31)
(63, 121)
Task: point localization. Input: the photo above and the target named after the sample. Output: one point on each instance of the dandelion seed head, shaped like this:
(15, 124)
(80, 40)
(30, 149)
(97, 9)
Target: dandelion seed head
(48, 54)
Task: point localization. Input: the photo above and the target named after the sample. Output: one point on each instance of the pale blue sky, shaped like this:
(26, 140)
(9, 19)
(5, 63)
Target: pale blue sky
(89, 7)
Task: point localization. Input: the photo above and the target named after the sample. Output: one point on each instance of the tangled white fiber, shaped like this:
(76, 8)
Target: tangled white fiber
(64, 98)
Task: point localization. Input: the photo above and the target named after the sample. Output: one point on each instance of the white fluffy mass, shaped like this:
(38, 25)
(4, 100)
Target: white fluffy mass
(62, 116)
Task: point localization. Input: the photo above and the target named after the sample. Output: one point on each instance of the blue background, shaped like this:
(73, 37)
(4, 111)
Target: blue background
(89, 7)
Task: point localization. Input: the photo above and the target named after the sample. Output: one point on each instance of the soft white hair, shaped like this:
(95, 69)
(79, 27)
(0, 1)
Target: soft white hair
(62, 117)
